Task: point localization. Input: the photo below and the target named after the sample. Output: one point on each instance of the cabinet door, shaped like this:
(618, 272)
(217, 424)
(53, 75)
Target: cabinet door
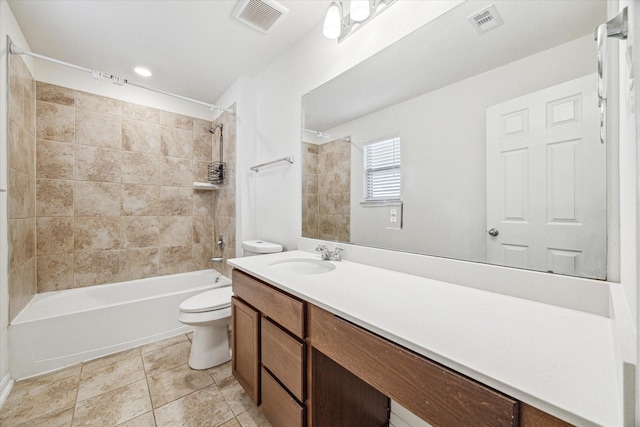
(245, 347)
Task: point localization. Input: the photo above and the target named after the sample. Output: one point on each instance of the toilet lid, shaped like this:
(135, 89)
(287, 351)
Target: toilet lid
(208, 301)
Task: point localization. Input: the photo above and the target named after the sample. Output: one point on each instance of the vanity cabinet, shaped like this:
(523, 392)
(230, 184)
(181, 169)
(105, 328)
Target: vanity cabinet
(305, 366)
(269, 357)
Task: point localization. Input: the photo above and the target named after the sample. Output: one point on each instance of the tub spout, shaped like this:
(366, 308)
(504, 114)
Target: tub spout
(216, 259)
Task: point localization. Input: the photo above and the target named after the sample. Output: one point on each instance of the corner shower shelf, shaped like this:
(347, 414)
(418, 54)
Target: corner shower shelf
(205, 186)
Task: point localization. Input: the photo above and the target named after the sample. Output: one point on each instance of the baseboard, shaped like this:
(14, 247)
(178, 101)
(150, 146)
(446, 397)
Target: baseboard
(5, 388)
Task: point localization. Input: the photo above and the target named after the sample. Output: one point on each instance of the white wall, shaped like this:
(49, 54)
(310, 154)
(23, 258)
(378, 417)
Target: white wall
(310, 63)
(443, 154)
(8, 27)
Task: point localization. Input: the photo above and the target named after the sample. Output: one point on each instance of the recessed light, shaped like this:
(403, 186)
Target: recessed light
(142, 71)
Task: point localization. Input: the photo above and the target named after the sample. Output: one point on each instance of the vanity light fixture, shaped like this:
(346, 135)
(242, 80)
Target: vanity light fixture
(338, 26)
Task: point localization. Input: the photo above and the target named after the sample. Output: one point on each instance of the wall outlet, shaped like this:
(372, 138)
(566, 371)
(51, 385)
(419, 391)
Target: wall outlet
(393, 216)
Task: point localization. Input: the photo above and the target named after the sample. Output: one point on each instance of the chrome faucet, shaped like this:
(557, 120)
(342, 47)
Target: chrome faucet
(328, 255)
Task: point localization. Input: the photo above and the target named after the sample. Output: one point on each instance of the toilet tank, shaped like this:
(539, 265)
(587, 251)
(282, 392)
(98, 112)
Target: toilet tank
(258, 247)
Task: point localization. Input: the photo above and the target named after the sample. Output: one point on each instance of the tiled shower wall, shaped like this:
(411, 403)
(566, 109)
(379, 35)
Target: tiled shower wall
(326, 190)
(22, 185)
(114, 190)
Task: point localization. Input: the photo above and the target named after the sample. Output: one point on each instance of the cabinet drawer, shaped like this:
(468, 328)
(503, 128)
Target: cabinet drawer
(283, 355)
(278, 406)
(287, 311)
(436, 394)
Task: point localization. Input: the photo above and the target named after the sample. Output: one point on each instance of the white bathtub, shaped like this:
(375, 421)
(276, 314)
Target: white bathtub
(61, 328)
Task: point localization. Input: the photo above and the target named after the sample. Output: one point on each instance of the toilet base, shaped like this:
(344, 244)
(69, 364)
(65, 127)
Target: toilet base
(210, 347)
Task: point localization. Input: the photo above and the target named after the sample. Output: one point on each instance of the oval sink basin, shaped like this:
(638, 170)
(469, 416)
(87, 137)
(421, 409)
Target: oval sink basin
(302, 266)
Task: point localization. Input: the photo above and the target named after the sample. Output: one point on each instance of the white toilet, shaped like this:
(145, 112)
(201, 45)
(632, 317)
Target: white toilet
(210, 314)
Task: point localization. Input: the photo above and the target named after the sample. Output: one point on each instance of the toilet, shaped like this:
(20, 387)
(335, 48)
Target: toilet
(210, 314)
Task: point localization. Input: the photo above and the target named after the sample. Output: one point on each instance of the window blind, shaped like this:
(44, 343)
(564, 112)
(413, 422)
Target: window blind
(382, 170)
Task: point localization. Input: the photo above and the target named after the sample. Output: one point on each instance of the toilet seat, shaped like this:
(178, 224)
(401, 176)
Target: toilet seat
(215, 299)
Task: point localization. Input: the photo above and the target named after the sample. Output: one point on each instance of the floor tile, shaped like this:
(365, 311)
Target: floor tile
(109, 360)
(221, 372)
(175, 383)
(233, 423)
(158, 345)
(205, 407)
(52, 419)
(114, 407)
(253, 418)
(34, 398)
(109, 377)
(235, 396)
(145, 420)
(166, 358)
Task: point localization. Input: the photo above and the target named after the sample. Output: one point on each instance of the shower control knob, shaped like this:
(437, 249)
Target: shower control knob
(493, 232)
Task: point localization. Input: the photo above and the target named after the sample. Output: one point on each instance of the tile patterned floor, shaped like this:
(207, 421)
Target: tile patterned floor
(148, 386)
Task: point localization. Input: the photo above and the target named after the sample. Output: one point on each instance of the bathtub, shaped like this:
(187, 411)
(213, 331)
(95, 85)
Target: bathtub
(61, 328)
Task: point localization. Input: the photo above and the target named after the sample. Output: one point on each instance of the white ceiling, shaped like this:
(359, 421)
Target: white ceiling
(194, 48)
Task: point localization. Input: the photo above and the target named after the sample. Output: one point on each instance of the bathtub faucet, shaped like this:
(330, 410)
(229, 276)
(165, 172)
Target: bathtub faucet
(329, 255)
(216, 259)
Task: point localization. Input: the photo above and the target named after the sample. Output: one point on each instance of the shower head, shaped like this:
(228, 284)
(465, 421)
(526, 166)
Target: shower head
(213, 129)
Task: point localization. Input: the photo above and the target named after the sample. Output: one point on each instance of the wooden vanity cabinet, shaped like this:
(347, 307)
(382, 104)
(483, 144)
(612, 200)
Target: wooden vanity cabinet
(269, 357)
(245, 347)
(305, 366)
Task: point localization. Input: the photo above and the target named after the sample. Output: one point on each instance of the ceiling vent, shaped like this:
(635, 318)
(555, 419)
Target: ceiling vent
(485, 20)
(261, 15)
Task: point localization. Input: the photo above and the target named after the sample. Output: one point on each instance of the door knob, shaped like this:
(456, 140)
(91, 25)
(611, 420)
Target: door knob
(493, 232)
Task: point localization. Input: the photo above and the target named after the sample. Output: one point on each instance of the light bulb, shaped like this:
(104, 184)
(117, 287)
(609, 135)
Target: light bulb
(359, 10)
(331, 29)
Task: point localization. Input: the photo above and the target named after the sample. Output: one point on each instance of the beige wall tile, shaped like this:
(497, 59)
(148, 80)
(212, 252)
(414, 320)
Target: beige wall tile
(175, 120)
(140, 168)
(96, 268)
(138, 199)
(203, 203)
(22, 287)
(203, 147)
(96, 199)
(175, 172)
(176, 259)
(140, 232)
(177, 142)
(54, 235)
(176, 230)
(141, 136)
(98, 104)
(201, 127)
(202, 229)
(16, 98)
(55, 122)
(140, 112)
(139, 263)
(55, 272)
(97, 164)
(201, 253)
(175, 201)
(200, 171)
(92, 234)
(22, 197)
(54, 160)
(22, 241)
(98, 129)
(55, 94)
(54, 197)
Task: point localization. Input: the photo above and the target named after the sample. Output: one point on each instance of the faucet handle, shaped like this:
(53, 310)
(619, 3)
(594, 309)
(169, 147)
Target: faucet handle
(321, 248)
(337, 254)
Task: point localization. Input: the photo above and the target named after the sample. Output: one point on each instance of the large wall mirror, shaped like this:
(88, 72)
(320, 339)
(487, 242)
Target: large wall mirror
(493, 138)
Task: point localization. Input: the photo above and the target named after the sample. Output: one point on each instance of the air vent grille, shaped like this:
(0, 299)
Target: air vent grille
(485, 20)
(261, 15)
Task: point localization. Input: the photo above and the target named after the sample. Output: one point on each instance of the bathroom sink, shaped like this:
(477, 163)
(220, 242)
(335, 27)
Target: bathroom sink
(302, 266)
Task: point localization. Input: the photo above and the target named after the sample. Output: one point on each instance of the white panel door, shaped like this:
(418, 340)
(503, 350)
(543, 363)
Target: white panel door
(546, 181)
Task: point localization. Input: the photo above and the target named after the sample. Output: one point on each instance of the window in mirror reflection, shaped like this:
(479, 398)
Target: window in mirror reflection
(382, 170)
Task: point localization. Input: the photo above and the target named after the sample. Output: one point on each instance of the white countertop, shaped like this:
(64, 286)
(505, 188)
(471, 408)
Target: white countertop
(559, 360)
